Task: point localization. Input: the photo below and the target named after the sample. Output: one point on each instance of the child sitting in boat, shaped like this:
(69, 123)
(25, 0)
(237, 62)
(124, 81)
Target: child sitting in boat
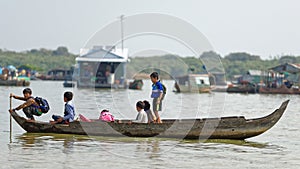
(105, 115)
(69, 111)
(151, 116)
(141, 116)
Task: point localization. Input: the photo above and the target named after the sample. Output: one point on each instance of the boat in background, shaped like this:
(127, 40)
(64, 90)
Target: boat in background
(136, 84)
(15, 82)
(9, 76)
(68, 84)
(234, 127)
(283, 89)
(56, 74)
(282, 79)
(194, 83)
(242, 87)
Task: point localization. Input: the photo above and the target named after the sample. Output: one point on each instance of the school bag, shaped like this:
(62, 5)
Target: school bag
(164, 88)
(43, 104)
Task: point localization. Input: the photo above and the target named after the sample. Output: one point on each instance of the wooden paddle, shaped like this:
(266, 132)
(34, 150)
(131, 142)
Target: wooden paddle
(10, 123)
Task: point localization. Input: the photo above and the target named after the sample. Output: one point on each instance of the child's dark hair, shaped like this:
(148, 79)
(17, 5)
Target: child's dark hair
(140, 104)
(146, 105)
(104, 110)
(68, 95)
(27, 90)
(154, 75)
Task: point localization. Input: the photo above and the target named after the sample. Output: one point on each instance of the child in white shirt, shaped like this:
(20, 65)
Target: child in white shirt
(141, 116)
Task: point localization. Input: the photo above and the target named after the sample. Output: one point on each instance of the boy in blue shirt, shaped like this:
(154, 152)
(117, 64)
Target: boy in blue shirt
(69, 113)
(157, 95)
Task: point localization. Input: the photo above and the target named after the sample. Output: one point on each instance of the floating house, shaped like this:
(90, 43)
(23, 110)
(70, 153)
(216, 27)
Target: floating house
(253, 76)
(56, 74)
(282, 79)
(195, 83)
(101, 67)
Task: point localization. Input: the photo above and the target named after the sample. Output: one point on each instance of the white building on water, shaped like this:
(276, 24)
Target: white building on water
(101, 67)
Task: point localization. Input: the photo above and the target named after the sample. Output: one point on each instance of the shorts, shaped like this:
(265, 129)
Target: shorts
(156, 107)
(30, 111)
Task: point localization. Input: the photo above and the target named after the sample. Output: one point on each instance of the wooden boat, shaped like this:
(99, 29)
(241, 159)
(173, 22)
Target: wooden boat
(68, 84)
(244, 87)
(236, 127)
(14, 83)
(192, 83)
(280, 90)
(136, 84)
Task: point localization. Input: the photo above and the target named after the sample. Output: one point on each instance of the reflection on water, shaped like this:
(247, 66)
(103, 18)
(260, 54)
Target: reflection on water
(233, 142)
(39, 139)
(67, 141)
(79, 151)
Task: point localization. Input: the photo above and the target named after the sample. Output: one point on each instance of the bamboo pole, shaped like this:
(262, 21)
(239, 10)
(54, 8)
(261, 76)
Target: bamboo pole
(10, 119)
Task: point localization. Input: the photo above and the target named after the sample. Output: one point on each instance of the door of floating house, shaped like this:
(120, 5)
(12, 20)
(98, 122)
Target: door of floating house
(101, 67)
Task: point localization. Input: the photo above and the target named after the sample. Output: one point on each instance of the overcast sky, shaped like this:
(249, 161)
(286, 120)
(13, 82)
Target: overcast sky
(261, 27)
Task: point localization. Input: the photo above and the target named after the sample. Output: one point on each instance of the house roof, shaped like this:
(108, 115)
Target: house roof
(102, 55)
(254, 72)
(287, 67)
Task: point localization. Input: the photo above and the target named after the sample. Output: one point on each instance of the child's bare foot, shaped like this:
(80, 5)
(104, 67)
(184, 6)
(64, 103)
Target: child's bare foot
(30, 120)
(52, 122)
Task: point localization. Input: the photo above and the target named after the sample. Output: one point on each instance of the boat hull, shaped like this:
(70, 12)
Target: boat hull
(236, 127)
(14, 83)
(281, 90)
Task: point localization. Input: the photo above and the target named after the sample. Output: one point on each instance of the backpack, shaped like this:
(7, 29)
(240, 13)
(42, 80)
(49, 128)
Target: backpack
(165, 89)
(43, 104)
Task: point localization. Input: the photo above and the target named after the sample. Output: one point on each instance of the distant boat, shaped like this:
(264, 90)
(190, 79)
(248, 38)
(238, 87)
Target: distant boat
(194, 83)
(282, 79)
(14, 83)
(56, 74)
(68, 84)
(9, 77)
(243, 87)
(283, 89)
(136, 84)
(234, 127)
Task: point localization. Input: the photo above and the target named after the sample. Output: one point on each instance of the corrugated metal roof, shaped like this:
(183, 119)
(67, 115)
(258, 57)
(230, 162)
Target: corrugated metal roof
(255, 72)
(101, 55)
(287, 67)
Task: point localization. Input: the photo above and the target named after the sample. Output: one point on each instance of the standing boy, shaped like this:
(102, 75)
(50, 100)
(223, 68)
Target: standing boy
(30, 107)
(157, 95)
(69, 113)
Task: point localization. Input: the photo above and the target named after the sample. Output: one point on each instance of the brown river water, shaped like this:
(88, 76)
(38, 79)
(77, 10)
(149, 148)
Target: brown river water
(277, 148)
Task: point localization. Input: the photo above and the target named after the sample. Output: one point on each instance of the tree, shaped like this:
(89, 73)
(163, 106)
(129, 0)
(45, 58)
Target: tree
(241, 56)
(61, 51)
(287, 59)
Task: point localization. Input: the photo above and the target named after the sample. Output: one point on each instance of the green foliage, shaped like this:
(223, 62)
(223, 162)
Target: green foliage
(242, 56)
(40, 60)
(234, 63)
(61, 51)
(287, 59)
(169, 65)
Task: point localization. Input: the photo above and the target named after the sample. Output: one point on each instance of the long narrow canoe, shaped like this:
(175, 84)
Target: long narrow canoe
(236, 127)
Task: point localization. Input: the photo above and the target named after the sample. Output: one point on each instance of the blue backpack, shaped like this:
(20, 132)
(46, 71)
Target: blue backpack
(43, 104)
